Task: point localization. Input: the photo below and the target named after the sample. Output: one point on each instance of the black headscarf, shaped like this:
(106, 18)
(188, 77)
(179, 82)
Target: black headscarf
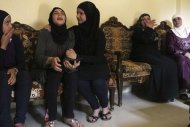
(138, 23)
(143, 15)
(87, 32)
(3, 14)
(59, 33)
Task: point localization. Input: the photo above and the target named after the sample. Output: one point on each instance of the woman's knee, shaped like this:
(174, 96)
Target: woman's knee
(99, 82)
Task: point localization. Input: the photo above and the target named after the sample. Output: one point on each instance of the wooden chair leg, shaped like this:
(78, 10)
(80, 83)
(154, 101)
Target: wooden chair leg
(112, 97)
(120, 94)
(119, 90)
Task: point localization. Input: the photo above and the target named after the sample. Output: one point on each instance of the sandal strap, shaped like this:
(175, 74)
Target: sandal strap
(106, 116)
(73, 122)
(50, 124)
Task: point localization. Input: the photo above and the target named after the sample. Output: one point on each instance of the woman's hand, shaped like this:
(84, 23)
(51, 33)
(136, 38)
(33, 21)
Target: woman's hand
(151, 24)
(48, 27)
(12, 76)
(55, 63)
(5, 39)
(71, 54)
(70, 66)
(187, 54)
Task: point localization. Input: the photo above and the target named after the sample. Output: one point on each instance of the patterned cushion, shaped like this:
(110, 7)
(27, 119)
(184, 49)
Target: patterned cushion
(118, 39)
(135, 71)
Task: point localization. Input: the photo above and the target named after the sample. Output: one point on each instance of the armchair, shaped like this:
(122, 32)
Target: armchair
(119, 44)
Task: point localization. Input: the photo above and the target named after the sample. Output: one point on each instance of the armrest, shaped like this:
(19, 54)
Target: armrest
(118, 55)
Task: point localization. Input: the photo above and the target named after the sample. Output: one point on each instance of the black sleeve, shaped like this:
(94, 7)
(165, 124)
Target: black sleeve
(98, 57)
(20, 57)
(2, 56)
(144, 35)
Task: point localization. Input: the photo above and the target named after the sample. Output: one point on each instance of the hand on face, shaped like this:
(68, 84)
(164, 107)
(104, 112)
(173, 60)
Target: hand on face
(147, 22)
(5, 39)
(151, 23)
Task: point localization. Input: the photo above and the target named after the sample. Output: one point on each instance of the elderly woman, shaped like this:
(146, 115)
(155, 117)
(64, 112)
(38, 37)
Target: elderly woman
(163, 85)
(178, 40)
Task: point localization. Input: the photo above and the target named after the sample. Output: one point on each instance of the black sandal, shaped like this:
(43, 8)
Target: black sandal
(106, 116)
(92, 119)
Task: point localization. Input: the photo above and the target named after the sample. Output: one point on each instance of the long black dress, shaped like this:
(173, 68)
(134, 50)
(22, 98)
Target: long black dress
(163, 85)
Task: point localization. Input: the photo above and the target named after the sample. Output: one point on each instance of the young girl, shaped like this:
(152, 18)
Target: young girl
(93, 70)
(50, 55)
(13, 75)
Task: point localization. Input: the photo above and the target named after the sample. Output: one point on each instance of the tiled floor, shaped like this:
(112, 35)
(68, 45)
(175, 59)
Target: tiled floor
(135, 112)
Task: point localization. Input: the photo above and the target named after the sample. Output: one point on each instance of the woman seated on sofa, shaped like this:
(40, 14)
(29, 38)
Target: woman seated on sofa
(50, 57)
(163, 85)
(93, 71)
(13, 75)
(178, 40)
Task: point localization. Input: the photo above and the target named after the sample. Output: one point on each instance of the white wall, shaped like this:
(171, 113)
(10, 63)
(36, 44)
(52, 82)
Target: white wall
(36, 12)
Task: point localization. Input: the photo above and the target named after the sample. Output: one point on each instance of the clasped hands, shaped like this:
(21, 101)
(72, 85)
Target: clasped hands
(56, 65)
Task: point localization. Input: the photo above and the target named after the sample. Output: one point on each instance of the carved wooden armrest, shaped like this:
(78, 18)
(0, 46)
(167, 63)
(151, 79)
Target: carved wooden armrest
(110, 57)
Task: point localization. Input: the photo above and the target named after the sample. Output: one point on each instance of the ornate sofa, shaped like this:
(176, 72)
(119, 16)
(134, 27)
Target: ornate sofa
(28, 36)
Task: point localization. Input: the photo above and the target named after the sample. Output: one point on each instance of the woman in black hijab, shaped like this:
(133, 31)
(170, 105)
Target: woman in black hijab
(93, 70)
(13, 75)
(163, 85)
(50, 52)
